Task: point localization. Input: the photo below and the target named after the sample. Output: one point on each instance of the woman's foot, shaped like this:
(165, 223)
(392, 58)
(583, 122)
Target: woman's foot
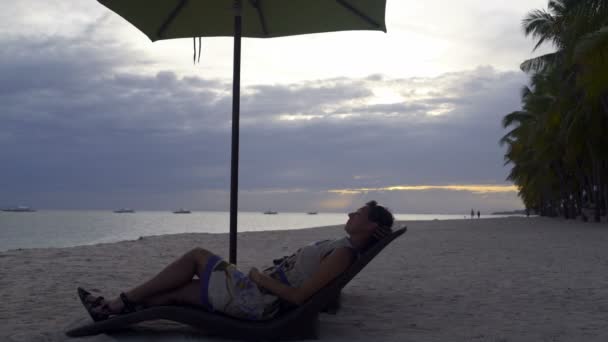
(99, 308)
(113, 307)
(93, 304)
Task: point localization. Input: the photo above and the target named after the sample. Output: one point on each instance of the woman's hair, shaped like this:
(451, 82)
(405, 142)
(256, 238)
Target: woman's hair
(381, 216)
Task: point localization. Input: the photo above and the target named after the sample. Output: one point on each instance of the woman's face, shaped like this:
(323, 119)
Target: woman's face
(358, 221)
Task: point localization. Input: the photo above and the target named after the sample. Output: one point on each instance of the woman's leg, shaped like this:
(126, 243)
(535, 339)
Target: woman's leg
(189, 294)
(176, 276)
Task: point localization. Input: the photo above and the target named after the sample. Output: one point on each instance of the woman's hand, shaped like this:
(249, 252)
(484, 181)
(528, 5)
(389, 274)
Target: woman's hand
(254, 275)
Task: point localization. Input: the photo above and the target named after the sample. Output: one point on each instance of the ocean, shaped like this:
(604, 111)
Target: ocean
(63, 228)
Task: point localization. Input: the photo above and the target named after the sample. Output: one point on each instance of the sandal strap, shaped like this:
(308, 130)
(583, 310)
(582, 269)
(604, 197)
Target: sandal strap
(129, 305)
(97, 301)
(92, 305)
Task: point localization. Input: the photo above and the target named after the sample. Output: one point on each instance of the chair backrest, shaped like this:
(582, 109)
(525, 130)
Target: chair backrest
(365, 257)
(320, 299)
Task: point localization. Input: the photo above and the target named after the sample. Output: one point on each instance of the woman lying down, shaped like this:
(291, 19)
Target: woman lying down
(256, 295)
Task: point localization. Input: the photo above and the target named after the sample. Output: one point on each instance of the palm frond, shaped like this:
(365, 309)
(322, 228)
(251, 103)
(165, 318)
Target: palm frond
(540, 25)
(525, 92)
(506, 140)
(593, 43)
(516, 117)
(540, 63)
(558, 7)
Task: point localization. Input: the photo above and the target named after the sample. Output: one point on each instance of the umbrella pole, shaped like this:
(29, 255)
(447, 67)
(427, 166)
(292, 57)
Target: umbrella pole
(236, 97)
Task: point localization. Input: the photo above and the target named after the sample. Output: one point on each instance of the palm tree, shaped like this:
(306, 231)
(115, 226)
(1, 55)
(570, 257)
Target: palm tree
(557, 146)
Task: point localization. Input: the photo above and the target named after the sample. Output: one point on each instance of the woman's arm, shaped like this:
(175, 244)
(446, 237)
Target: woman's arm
(283, 291)
(330, 267)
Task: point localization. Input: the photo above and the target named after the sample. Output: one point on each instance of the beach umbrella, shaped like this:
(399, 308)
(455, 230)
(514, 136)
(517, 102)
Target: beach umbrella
(169, 19)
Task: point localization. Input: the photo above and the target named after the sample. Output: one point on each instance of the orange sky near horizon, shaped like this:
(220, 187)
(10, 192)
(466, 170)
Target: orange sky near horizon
(474, 188)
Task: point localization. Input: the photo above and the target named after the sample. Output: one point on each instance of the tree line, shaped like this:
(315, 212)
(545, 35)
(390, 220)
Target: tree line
(558, 142)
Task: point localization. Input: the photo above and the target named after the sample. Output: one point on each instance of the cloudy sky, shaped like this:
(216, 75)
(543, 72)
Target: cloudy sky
(95, 116)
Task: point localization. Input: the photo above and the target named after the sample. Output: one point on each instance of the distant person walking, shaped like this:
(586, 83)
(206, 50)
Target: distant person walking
(478, 214)
(472, 213)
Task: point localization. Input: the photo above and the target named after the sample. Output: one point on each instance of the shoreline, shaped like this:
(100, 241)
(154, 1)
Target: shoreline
(106, 239)
(504, 279)
(159, 236)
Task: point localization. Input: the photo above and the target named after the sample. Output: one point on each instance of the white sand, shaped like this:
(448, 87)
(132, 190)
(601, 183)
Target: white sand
(512, 279)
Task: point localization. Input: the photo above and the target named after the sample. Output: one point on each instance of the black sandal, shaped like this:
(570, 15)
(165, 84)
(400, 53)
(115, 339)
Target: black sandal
(129, 305)
(90, 306)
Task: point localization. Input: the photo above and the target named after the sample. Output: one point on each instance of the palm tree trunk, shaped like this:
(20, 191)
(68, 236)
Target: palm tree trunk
(604, 101)
(564, 198)
(596, 190)
(579, 204)
(542, 209)
(603, 189)
(582, 185)
(578, 199)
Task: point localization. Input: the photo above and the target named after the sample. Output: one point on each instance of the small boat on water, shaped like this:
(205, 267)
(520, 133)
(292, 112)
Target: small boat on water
(124, 211)
(270, 212)
(20, 209)
(182, 211)
(312, 213)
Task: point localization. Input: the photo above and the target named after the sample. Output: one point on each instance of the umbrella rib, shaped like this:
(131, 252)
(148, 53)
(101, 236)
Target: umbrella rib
(358, 13)
(257, 4)
(171, 17)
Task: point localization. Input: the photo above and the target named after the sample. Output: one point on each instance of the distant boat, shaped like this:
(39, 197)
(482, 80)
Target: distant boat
(270, 212)
(312, 213)
(20, 209)
(124, 211)
(182, 211)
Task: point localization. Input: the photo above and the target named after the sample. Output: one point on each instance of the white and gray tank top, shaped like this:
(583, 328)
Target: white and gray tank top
(293, 270)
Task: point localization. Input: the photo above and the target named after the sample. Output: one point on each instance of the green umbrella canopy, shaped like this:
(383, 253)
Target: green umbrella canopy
(168, 19)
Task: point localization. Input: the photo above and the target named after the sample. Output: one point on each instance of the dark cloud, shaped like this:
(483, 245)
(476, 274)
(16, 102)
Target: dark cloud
(79, 131)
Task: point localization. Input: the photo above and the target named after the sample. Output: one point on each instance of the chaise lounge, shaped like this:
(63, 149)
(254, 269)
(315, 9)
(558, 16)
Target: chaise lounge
(301, 322)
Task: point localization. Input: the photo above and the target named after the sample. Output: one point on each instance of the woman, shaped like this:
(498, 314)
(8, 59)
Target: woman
(258, 295)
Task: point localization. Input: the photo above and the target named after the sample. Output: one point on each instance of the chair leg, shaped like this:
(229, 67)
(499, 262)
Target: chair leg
(333, 306)
(304, 329)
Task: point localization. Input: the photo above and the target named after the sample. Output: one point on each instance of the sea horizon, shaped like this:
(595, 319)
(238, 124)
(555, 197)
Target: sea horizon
(111, 210)
(68, 228)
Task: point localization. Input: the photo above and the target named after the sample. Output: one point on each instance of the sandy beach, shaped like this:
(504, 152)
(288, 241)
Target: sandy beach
(509, 279)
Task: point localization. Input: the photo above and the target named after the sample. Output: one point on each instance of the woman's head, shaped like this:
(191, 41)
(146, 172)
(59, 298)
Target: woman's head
(369, 223)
